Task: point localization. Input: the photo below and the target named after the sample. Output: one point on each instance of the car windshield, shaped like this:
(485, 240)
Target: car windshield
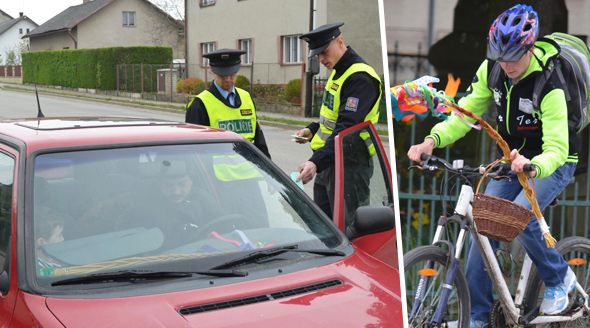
(113, 209)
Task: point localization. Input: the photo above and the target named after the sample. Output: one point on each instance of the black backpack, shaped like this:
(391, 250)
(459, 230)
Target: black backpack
(572, 68)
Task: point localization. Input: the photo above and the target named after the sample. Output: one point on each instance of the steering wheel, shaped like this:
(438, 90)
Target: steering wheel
(225, 223)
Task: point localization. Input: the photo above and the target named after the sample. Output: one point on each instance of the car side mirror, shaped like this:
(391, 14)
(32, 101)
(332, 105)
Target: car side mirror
(4, 282)
(370, 220)
(314, 65)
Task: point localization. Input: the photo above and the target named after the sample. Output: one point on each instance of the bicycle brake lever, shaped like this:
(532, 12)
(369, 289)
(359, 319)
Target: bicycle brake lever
(426, 167)
(431, 167)
(415, 167)
(501, 172)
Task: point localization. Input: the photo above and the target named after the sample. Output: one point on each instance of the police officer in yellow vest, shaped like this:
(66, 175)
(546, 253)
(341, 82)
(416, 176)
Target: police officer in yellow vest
(225, 106)
(351, 96)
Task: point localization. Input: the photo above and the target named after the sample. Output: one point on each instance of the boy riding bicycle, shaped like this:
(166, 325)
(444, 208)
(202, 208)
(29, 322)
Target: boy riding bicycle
(541, 137)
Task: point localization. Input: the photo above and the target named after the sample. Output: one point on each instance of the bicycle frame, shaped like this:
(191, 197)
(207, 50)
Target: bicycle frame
(511, 308)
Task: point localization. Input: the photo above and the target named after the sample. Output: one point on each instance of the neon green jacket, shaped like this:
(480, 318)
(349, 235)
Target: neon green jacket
(542, 135)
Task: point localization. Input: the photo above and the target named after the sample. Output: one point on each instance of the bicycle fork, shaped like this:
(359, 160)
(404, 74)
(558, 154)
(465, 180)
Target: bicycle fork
(449, 279)
(425, 279)
(462, 209)
(447, 286)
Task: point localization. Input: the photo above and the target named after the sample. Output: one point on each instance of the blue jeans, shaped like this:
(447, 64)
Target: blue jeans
(551, 267)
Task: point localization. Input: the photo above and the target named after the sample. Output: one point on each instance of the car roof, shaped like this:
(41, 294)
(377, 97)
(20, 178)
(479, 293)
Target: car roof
(58, 132)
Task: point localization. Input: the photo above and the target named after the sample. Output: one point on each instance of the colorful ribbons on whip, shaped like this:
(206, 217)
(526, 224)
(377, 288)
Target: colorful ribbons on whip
(419, 98)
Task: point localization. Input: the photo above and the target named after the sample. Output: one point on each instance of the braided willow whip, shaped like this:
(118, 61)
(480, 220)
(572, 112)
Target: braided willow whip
(410, 93)
(87, 268)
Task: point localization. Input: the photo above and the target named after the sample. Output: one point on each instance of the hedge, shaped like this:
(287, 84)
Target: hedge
(87, 68)
(242, 82)
(293, 91)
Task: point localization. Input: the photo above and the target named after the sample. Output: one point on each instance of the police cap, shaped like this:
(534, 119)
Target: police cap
(225, 62)
(320, 38)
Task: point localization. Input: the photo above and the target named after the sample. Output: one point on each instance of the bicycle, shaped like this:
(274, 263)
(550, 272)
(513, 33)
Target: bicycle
(441, 297)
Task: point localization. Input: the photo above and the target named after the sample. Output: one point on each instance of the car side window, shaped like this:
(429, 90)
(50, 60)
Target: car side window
(6, 184)
(365, 175)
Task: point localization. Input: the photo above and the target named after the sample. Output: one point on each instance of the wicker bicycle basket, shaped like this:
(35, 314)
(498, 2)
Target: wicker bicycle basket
(498, 218)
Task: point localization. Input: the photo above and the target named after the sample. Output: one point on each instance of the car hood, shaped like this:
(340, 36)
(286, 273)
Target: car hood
(354, 292)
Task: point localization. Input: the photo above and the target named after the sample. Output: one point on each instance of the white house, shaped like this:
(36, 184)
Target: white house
(11, 33)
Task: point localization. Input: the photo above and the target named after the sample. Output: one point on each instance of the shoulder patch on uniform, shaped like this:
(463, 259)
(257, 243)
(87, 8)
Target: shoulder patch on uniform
(352, 103)
(334, 86)
(246, 112)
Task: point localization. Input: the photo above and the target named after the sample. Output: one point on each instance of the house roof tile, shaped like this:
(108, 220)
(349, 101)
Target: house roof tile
(70, 17)
(2, 13)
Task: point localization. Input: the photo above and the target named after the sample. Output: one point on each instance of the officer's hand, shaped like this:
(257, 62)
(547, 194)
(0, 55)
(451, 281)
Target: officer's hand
(307, 171)
(518, 162)
(425, 147)
(304, 135)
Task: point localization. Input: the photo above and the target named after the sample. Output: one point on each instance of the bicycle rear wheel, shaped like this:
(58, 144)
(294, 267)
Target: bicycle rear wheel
(426, 266)
(576, 252)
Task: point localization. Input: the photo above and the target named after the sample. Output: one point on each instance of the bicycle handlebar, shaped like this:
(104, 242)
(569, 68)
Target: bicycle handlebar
(432, 163)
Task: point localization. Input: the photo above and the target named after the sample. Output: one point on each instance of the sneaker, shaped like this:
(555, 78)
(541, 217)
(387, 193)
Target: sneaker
(556, 299)
(570, 280)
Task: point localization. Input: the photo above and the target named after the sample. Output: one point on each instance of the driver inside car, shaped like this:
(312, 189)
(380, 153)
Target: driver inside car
(177, 207)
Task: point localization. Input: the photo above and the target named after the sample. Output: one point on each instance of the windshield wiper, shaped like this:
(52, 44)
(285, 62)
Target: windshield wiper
(133, 275)
(272, 252)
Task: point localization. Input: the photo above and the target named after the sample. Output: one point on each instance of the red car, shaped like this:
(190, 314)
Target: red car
(121, 222)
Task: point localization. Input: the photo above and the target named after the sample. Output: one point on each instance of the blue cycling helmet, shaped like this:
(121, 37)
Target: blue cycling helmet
(513, 33)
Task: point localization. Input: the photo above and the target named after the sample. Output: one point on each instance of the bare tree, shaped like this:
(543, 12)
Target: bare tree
(174, 8)
(12, 58)
(160, 31)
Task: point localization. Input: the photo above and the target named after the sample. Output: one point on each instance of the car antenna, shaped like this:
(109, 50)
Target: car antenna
(39, 112)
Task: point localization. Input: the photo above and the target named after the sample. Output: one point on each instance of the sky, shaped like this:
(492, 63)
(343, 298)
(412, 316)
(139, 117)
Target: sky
(41, 11)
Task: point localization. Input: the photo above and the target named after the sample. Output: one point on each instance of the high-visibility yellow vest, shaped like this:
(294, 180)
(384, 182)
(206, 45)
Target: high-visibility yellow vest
(240, 120)
(234, 168)
(331, 103)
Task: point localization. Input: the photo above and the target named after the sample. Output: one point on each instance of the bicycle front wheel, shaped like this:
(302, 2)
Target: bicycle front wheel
(425, 268)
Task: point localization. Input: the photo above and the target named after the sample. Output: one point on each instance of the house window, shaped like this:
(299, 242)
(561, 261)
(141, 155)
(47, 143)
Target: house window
(205, 3)
(28, 30)
(206, 48)
(246, 45)
(20, 31)
(128, 18)
(292, 49)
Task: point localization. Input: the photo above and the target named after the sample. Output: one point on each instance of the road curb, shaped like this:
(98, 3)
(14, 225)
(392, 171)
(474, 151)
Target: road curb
(281, 125)
(90, 97)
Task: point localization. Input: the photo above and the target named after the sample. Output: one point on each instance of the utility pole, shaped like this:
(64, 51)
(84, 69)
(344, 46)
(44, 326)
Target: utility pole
(430, 34)
(309, 72)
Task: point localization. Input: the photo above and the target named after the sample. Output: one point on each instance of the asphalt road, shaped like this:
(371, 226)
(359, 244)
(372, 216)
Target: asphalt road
(285, 153)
